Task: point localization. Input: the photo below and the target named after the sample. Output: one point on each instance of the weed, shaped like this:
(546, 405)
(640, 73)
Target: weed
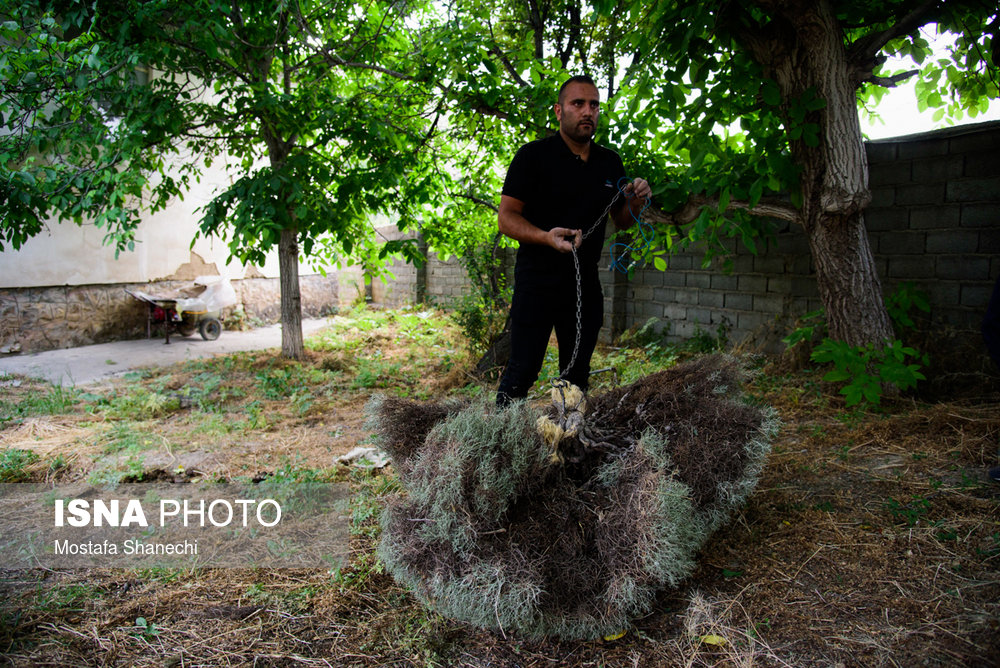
(376, 373)
(909, 513)
(135, 402)
(991, 547)
(366, 504)
(867, 369)
(208, 392)
(703, 343)
(123, 437)
(256, 420)
(145, 627)
(58, 463)
(276, 383)
(111, 474)
(70, 597)
(13, 463)
(290, 601)
(214, 425)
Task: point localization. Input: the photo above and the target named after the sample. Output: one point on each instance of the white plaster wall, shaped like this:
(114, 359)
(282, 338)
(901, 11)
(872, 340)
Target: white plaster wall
(68, 254)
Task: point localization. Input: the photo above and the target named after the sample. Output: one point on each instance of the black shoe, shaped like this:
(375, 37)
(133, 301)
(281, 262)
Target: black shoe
(994, 473)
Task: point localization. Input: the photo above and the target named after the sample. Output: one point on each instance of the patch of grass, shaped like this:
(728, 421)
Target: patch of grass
(400, 351)
(71, 597)
(208, 391)
(367, 501)
(114, 471)
(124, 437)
(293, 601)
(48, 400)
(909, 513)
(376, 373)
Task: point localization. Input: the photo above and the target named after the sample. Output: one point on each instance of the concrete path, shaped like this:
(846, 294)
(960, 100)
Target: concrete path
(91, 364)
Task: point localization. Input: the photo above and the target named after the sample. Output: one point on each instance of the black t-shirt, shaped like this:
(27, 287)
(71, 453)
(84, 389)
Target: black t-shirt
(561, 190)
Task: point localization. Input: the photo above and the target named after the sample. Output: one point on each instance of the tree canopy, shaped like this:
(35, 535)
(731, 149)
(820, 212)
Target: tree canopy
(739, 112)
(742, 112)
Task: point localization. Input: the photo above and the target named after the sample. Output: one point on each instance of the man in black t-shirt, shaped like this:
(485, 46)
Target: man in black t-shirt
(555, 199)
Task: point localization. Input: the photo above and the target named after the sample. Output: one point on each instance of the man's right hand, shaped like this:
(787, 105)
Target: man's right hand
(564, 239)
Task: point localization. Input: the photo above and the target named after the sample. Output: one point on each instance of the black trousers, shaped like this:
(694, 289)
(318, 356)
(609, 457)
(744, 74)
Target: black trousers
(537, 308)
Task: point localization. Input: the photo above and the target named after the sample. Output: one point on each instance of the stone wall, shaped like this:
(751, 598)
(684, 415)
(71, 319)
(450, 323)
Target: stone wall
(36, 319)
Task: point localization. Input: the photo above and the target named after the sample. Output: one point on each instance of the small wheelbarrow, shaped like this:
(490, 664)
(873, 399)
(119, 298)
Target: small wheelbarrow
(188, 315)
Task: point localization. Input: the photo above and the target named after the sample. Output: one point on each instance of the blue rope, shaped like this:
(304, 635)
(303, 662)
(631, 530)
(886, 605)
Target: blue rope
(646, 232)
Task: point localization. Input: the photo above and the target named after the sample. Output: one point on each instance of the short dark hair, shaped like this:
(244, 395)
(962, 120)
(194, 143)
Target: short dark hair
(579, 78)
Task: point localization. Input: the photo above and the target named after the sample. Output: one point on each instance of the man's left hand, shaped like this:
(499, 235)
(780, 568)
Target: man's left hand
(639, 190)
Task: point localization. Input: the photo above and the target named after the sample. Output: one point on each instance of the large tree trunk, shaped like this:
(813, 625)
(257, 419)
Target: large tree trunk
(805, 54)
(848, 282)
(292, 345)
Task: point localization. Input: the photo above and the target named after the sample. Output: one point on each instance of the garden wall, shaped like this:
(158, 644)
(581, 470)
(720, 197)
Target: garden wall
(934, 221)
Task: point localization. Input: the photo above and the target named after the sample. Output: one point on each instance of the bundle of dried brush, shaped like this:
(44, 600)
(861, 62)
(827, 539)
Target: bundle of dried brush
(568, 522)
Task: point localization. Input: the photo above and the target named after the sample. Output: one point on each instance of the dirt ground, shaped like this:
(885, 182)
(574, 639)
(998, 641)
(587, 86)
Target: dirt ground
(873, 538)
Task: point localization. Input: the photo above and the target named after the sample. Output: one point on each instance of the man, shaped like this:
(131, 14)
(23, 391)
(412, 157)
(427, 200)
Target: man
(556, 193)
(991, 337)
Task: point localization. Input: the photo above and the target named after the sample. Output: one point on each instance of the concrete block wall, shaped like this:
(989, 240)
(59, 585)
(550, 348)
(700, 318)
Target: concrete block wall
(447, 280)
(399, 288)
(934, 222)
(935, 219)
(753, 300)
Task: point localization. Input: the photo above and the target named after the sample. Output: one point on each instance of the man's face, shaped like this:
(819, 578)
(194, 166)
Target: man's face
(578, 111)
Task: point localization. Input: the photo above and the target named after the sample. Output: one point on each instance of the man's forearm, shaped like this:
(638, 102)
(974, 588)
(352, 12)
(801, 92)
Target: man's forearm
(517, 227)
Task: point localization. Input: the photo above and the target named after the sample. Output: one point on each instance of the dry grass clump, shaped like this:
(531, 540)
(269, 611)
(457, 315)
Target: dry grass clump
(494, 531)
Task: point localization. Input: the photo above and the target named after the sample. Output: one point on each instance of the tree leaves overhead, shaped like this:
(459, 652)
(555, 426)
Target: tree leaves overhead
(336, 111)
(320, 106)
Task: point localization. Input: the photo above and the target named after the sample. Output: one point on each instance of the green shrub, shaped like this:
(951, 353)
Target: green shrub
(868, 370)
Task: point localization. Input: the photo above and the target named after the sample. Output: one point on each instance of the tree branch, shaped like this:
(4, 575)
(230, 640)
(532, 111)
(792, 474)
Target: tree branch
(477, 200)
(766, 207)
(866, 48)
(893, 81)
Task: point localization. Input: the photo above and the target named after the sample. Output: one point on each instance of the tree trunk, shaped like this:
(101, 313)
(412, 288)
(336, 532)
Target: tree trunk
(292, 345)
(848, 282)
(804, 53)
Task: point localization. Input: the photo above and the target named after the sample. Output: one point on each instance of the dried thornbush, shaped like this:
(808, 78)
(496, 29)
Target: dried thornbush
(492, 529)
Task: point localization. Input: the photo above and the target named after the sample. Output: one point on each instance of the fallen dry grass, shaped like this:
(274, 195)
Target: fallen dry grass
(873, 539)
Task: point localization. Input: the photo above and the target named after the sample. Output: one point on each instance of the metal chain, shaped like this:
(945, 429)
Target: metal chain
(601, 220)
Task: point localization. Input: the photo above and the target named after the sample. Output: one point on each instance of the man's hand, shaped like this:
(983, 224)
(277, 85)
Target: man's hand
(564, 239)
(638, 192)
(637, 195)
